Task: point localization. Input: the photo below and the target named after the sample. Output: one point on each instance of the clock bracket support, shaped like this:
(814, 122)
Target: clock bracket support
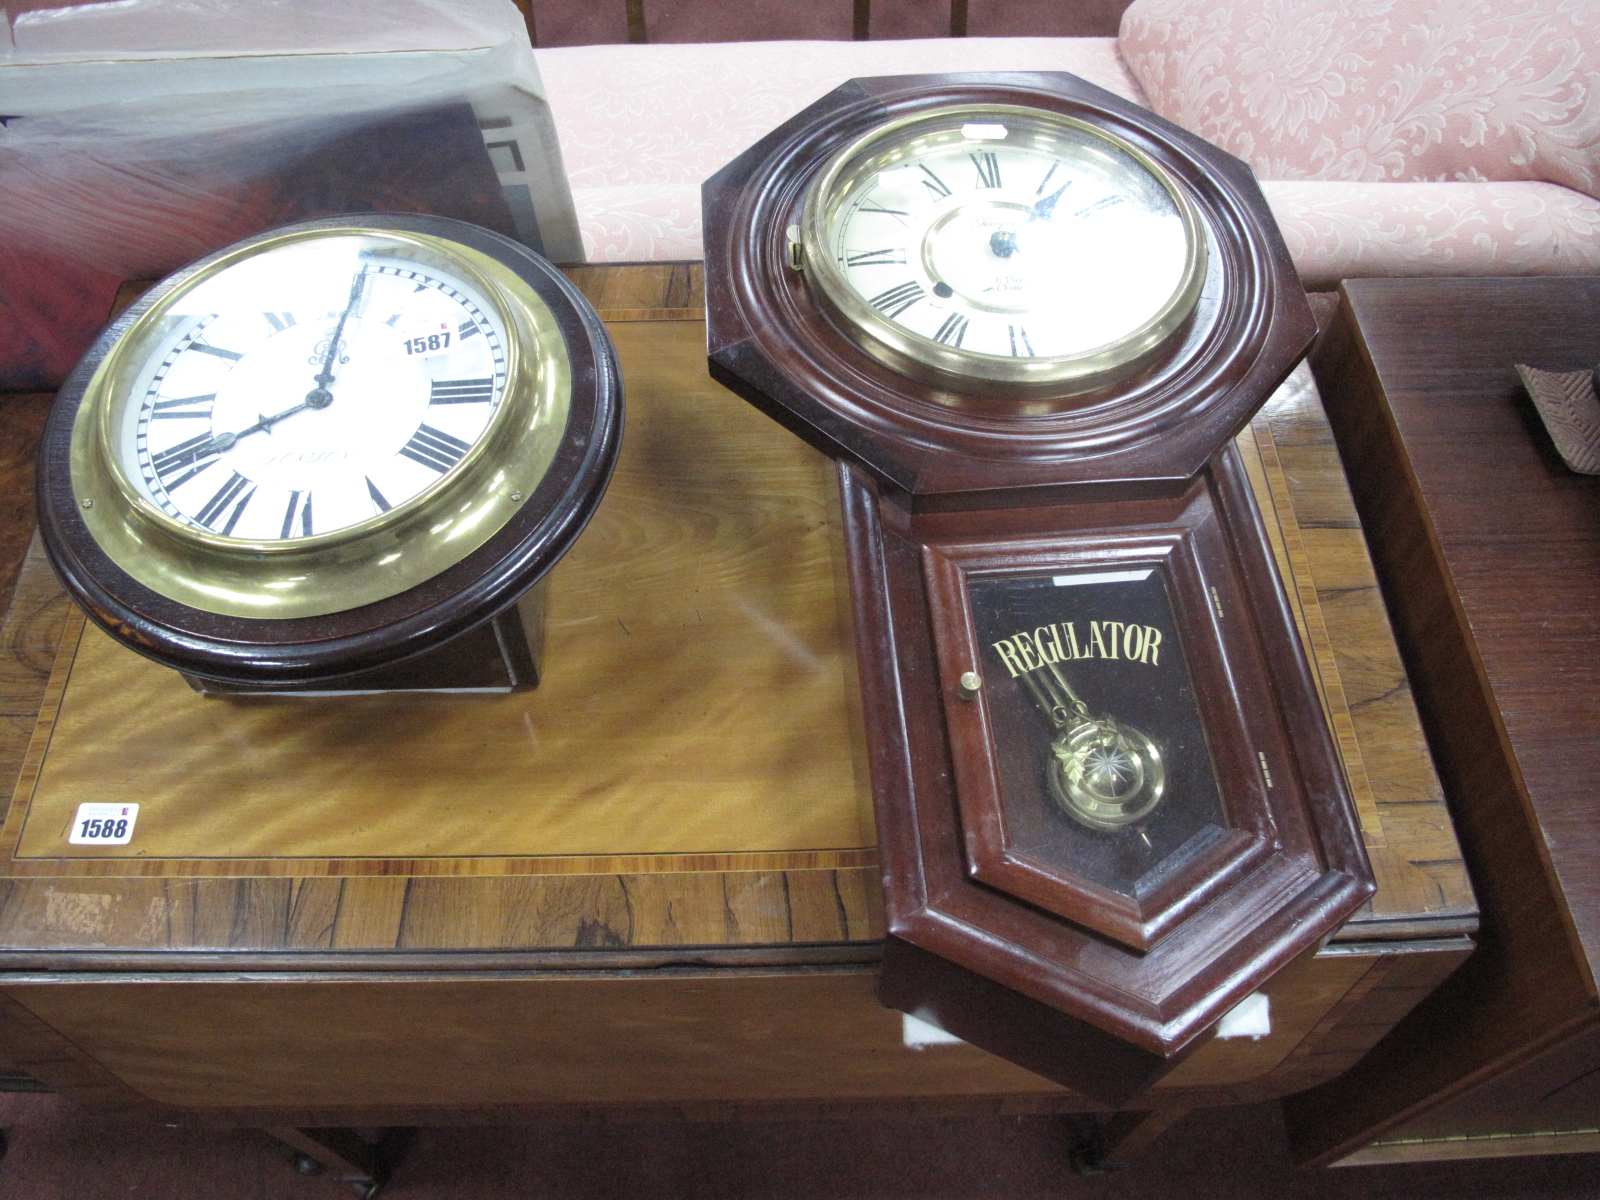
(504, 654)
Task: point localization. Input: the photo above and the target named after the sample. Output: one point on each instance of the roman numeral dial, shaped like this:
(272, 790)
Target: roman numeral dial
(894, 301)
(435, 449)
(307, 413)
(188, 408)
(952, 330)
(176, 465)
(988, 167)
(981, 245)
(876, 258)
(227, 504)
(462, 391)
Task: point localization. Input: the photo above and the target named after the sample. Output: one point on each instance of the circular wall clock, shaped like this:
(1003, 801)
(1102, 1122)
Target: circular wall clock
(329, 448)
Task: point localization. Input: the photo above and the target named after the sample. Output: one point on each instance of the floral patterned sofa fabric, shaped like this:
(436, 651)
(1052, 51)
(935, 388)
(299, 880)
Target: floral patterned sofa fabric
(642, 126)
(1380, 90)
(1339, 230)
(1393, 137)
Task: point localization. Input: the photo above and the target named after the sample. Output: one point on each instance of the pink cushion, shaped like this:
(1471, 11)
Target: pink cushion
(1340, 231)
(1333, 230)
(1380, 89)
(639, 222)
(670, 115)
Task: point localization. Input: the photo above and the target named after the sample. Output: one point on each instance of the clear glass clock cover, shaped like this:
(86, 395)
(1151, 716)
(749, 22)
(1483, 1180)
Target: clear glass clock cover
(310, 388)
(319, 418)
(1002, 243)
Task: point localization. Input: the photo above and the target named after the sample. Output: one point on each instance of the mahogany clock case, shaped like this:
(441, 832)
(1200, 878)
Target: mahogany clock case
(773, 342)
(1148, 941)
(1117, 945)
(289, 653)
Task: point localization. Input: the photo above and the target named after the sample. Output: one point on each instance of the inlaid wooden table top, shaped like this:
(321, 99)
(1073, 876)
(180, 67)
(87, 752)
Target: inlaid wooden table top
(687, 782)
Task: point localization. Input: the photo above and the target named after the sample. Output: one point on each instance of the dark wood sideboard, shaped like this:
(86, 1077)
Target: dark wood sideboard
(1488, 550)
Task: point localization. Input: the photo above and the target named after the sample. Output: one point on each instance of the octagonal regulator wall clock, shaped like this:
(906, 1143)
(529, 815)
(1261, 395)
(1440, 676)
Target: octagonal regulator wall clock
(1028, 318)
(336, 456)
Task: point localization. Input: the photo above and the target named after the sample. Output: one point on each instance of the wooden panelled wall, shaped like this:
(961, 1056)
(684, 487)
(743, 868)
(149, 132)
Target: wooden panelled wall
(590, 22)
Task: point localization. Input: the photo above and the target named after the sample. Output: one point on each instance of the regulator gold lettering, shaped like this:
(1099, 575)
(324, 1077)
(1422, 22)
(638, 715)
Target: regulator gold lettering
(1026, 651)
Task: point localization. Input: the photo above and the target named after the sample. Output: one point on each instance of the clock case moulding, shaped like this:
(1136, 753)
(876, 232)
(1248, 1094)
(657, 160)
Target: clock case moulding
(1100, 989)
(475, 626)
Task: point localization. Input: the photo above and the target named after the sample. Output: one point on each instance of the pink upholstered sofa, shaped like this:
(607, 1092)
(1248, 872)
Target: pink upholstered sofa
(1393, 137)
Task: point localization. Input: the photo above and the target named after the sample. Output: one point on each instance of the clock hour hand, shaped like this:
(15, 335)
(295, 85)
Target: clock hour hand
(1003, 242)
(1046, 208)
(224, 441)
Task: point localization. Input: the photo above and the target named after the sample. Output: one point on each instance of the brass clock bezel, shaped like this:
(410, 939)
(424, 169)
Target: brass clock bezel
(926, 359)
(362, 563)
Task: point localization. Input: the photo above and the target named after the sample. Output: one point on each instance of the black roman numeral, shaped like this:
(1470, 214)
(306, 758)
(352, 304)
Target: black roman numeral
(1048, 176)
(934, 184)
(897, 299)
(193, 453)
(230, 355)
(1100, 205)
(952, 331)
(298, 512)
(467, 329)
(187, 409)
(462, 391)
(435, 449)
(377, 497)
(279, 321)
(226, 495)
(988, 168)
(1020, 346)
(872, 258)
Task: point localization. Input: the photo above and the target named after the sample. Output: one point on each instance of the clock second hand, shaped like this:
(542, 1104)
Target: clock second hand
(317, 398)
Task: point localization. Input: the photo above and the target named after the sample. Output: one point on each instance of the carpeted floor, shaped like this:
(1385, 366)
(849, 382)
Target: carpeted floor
(59, 1152)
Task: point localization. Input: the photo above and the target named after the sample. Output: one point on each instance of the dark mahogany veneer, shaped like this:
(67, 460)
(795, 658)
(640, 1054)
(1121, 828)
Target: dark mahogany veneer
(1090, 987)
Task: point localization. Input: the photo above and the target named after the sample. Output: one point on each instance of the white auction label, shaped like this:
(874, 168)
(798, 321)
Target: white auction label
(103, 825)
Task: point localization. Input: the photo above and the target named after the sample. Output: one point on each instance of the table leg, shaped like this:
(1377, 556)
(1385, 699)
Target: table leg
(365, 1165)
(1120, 1136)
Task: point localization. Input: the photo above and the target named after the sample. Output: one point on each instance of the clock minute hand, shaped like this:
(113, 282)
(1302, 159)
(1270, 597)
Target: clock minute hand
(319, 396)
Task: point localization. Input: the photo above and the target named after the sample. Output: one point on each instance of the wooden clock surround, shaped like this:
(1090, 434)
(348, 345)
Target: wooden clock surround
(1101, 989)
(773, 343)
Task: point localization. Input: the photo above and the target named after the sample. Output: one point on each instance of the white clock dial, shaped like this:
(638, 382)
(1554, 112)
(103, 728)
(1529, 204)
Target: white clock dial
(1003, 244)
(310, 389)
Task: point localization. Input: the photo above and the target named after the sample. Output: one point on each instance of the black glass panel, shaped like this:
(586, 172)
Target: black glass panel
(1103, 764)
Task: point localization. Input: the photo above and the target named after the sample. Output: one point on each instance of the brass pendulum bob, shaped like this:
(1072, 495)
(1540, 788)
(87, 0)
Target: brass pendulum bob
(1103, 773)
